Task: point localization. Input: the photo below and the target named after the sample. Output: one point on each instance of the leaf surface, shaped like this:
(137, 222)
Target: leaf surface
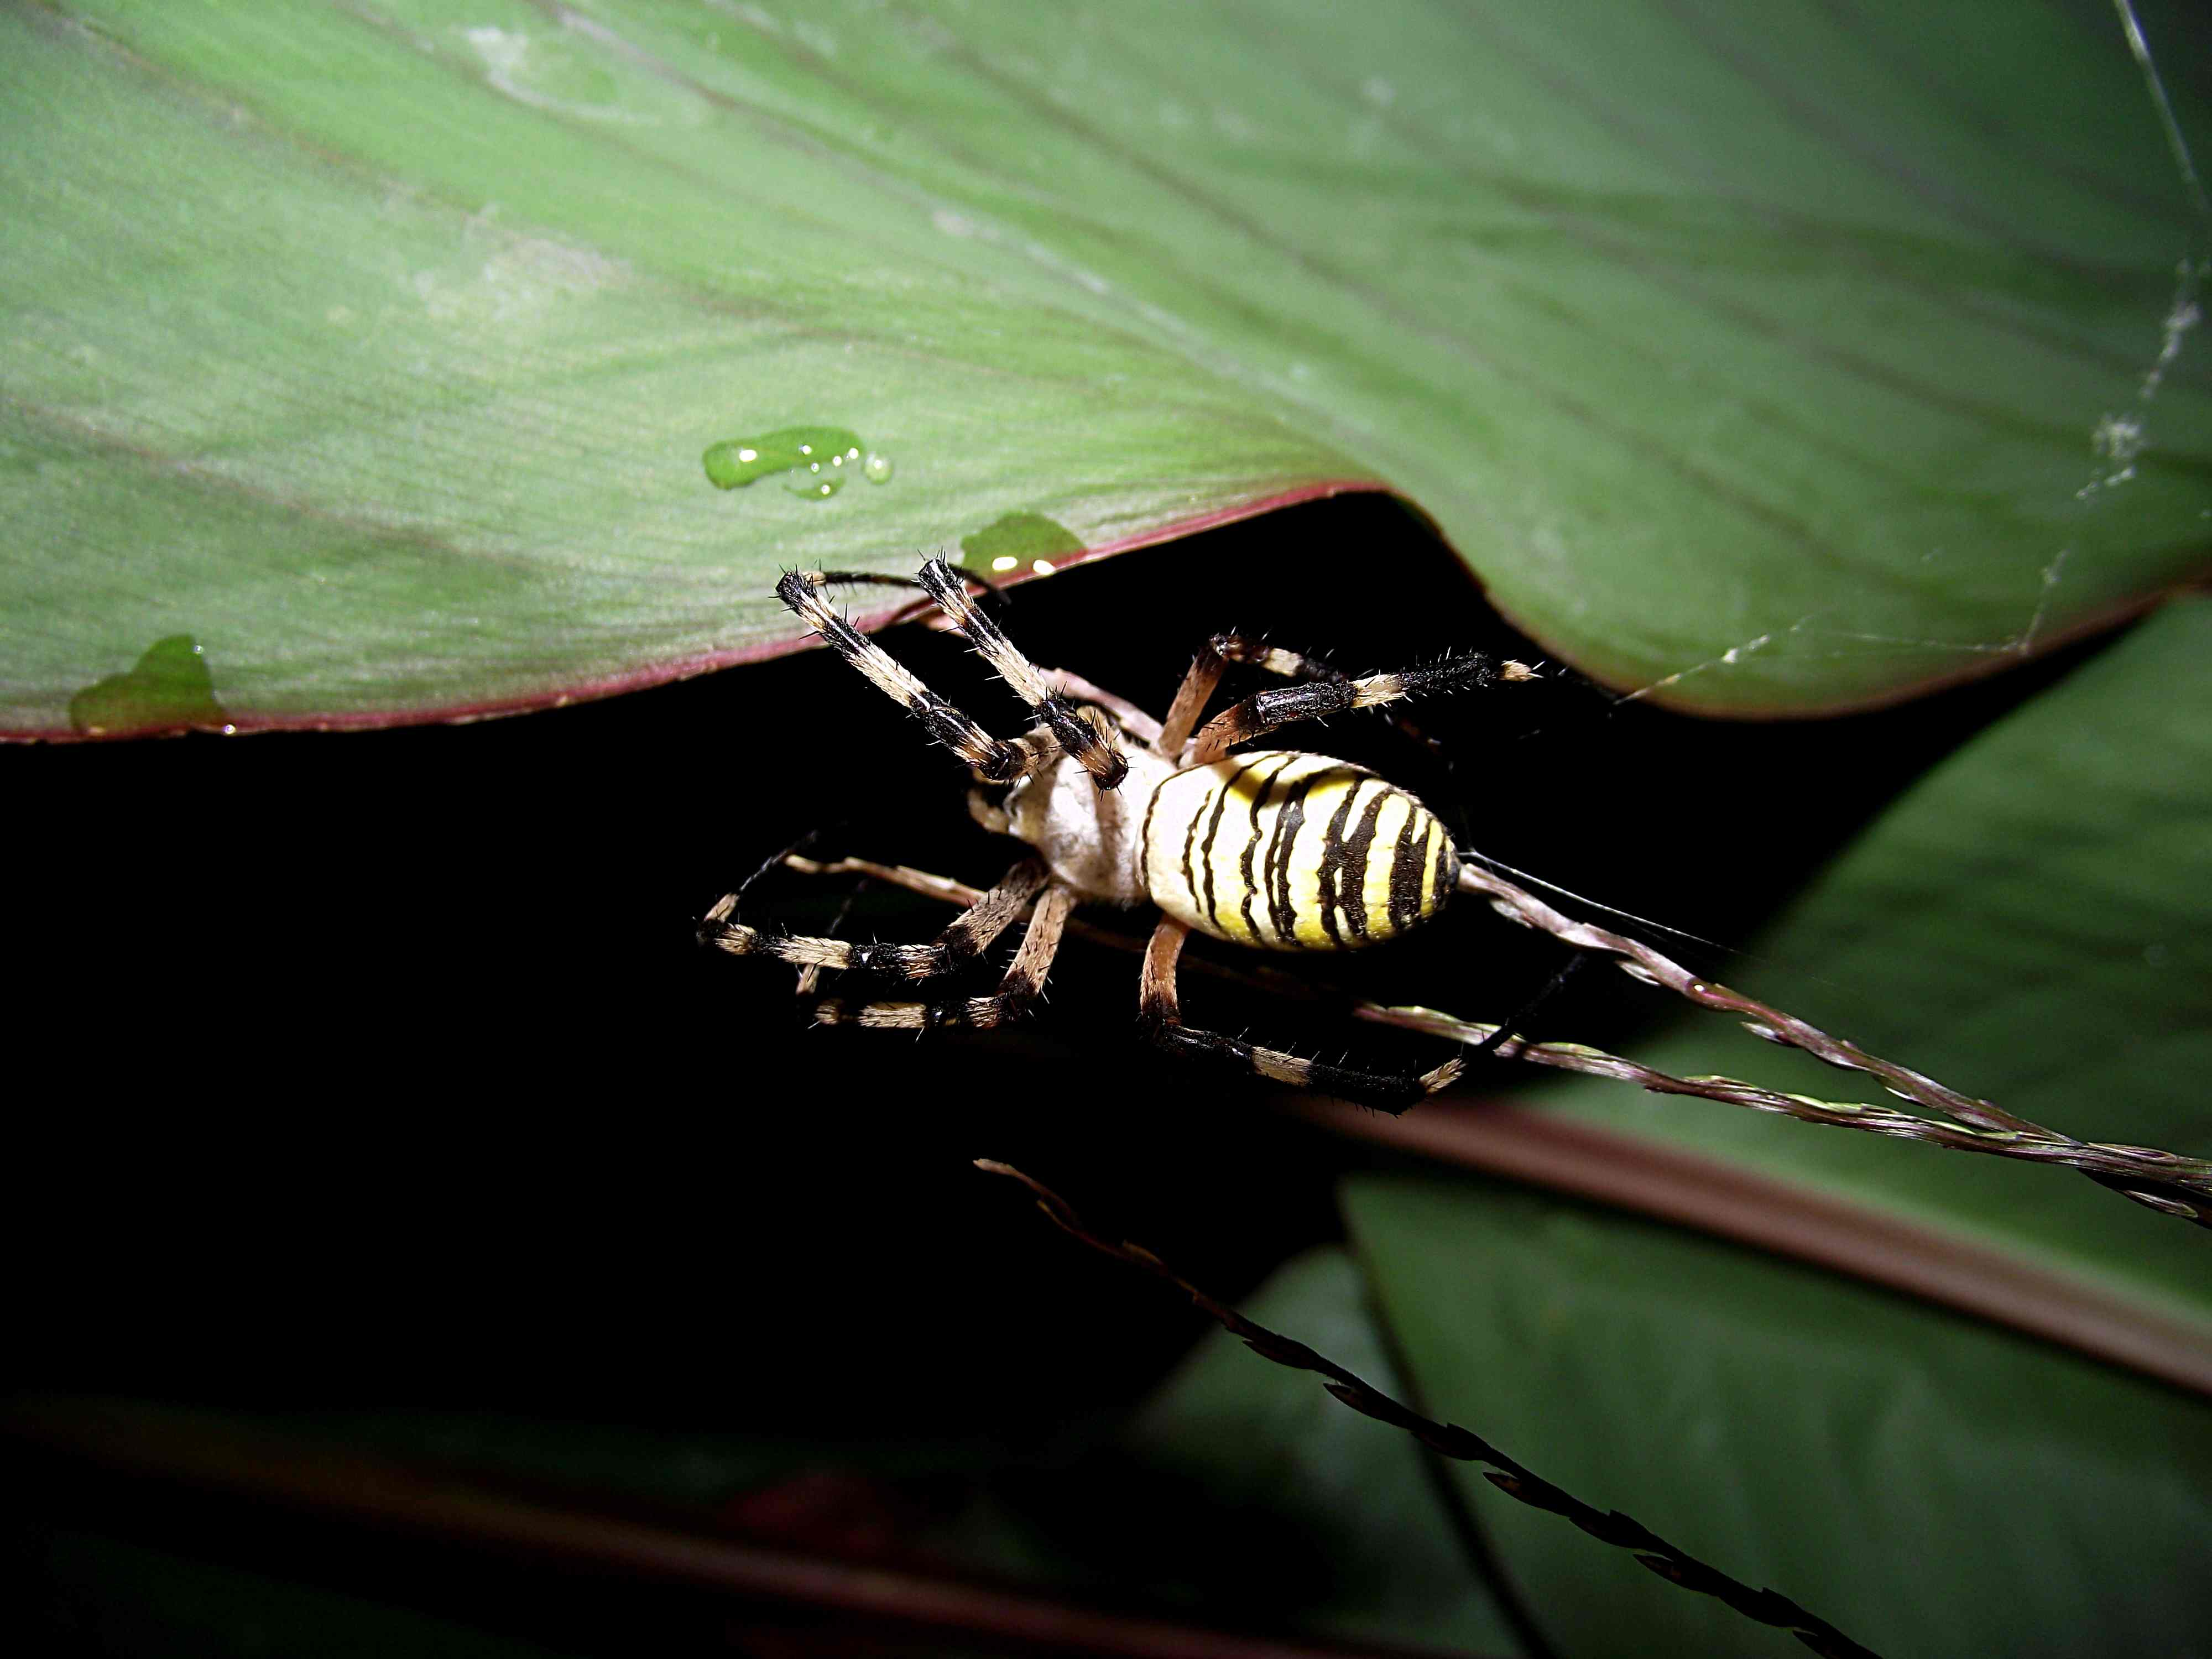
(1929, 1486)
(1771, 358)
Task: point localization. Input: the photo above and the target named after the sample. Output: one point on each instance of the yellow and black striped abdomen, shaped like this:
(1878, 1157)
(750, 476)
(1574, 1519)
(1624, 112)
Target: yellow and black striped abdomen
(1294, 852)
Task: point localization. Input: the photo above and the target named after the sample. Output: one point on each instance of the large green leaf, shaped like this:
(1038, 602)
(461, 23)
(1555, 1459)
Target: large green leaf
(1806, 353)
(2032, 922)
(1932, 1486)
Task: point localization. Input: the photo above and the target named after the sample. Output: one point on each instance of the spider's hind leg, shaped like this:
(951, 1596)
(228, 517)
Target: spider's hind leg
(1161, 1012)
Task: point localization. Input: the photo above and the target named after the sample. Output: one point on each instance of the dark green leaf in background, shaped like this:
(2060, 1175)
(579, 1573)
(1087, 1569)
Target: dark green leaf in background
(1770, 357)
(1932, 1486)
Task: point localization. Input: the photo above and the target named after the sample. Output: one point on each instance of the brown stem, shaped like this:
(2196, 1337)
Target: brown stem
(460, 1508)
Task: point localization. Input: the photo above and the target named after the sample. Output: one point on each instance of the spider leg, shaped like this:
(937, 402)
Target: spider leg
(1161, 1013)
(993, 597)
(957, 946)
(810, 977)
(1020, 987)
(1077, 737)
(1190, 700)
(1205, 675)
(1136, 725)
(1327, 693)
(994, 759)
(1508, 1029)
(1205, 670)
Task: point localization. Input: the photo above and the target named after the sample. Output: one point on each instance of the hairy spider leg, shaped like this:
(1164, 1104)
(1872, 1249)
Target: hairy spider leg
(994, 597)
(1134, 722)
(1190, 699)
(810, 977)
(1294, 665)
(1327, 692)
(940, 887)
(1136, 725)
(957, 946)
(1204, 676)
(1024, 982)
(1161, 1013)
(1094, 750)
(994, 759)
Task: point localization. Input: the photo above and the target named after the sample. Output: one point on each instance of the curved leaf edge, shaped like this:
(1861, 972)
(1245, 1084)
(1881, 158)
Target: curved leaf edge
(652, 674)
(1683, 698)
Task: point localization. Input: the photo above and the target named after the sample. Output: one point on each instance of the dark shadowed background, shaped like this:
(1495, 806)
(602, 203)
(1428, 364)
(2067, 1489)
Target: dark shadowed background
(376, 1080)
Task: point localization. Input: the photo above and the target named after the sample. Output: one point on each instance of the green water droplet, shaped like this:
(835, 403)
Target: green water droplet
(819, 458)
(817, 480)
(1019, 541)
(168, 691)
(877, 466)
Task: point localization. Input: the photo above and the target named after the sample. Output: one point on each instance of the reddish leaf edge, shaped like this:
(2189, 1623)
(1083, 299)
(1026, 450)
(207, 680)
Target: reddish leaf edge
(685, 668)
(1783, 1218)
(1678, 699)
(1685, 699)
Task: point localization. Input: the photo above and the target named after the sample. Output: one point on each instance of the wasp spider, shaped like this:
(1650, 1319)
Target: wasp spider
(1275, 849)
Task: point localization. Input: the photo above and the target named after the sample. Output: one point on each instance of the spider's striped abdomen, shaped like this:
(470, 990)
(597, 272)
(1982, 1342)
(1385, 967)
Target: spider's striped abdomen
(1294, 852)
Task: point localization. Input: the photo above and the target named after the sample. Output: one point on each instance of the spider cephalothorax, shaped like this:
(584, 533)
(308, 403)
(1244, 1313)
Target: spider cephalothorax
(1276, 849)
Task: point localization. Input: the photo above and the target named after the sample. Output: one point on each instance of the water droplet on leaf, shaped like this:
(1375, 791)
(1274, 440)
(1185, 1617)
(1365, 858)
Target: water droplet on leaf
(168, 689)
(877, 466)
(1020, 538)
(817, 480)
(818, 457)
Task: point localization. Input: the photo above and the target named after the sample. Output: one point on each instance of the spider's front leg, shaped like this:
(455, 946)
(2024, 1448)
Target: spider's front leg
(996, 760)
(1090, 747)
(1162, 1014)
(956, 946)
